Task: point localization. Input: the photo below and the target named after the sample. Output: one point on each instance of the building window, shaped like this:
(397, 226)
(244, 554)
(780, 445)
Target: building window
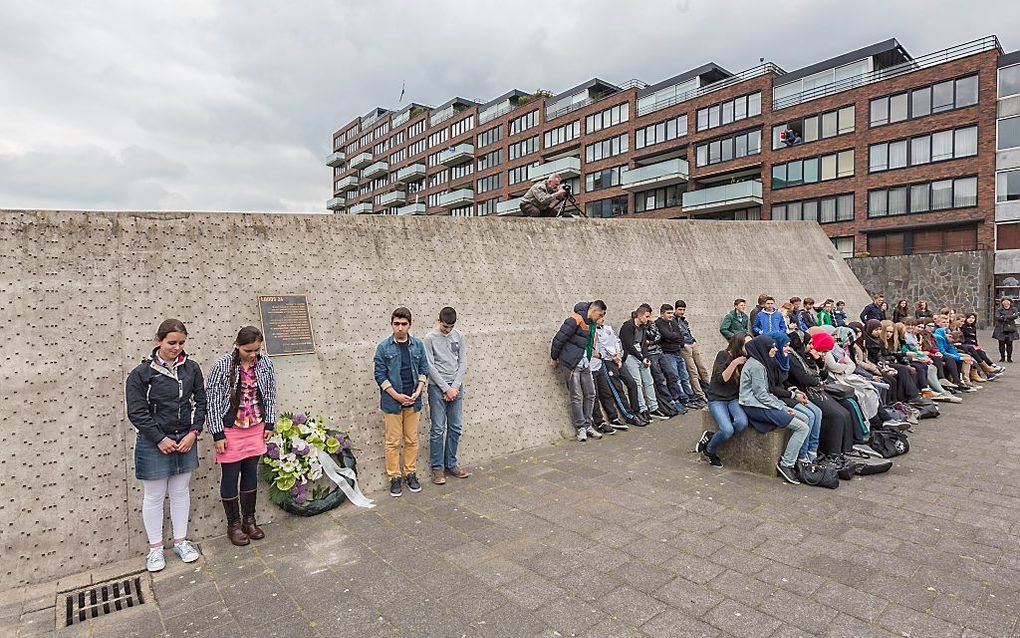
(609, 117)
(463, 126)
(523, 123)
(942, 194)
(490, 159)
(433, 159)
(844, 246)
(463, 211)
(563, 134)
(826, 210)
(606, 148)
(518, 174)
(397, 139)
(730, 111)
(814, 127)
(439, 137)
(462, 170)
(1007, 185)
(522, 148)
(668, 197)
(488, 207)
(729, 148)
(1007, 133)
(927, 240)
(416, 149)
(1009, 81)
(612, 207)
(433, 200)
(490, 136)
(937, 98)
(416, 129)
(490, 183)
(813, 169)
(606, 178)
(441, 177)
(398, 156)
(660, 132)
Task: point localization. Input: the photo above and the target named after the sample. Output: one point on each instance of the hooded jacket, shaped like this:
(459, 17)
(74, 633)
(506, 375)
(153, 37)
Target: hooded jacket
(571, 341)
(671, 335)
(766, 322)
(166, 401)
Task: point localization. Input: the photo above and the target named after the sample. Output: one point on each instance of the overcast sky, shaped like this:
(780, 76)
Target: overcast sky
(203, 105)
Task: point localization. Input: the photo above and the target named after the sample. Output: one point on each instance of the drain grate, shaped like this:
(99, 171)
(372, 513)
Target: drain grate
(104, 598)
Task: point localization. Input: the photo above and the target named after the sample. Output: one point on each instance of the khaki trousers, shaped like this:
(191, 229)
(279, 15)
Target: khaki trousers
(401, 426)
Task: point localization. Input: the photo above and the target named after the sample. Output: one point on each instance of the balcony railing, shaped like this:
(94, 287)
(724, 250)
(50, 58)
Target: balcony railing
(361, 160)
(725, 197)
(459, 197)
(493, 112)
(457, 154)
(564, 167)
(364, 208)
(410, 173)
(348, 182)
(673, 171)
(379, 168)
(743, 76)
(336, 203)
(418, 208)
(335, 160)
(987, 43)
(393, 198)
(509, 207)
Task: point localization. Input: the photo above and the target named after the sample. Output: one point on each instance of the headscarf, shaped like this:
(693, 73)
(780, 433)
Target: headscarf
(844, 339)
(758, 349)
(782, 360)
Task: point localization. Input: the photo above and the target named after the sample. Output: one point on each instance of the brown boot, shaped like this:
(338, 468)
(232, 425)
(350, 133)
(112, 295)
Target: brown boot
(248, 524)
(234, 531)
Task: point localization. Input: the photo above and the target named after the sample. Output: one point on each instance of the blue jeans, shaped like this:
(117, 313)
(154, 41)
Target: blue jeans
(730, 418)
(447, 422)
(813, 414)
(646, 384)
(675, 367)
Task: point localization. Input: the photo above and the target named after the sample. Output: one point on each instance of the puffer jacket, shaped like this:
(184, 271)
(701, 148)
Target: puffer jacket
(571, 341)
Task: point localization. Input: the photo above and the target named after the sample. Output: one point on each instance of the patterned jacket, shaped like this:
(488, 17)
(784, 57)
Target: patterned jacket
(220, 390)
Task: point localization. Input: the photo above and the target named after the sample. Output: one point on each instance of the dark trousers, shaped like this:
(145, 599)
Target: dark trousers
(605, 393)
(667, 386)
(530, 210)
(246, 470)
(621, 376)
(836, 435)
(952, 369)
(979, 355)
(1006, 350)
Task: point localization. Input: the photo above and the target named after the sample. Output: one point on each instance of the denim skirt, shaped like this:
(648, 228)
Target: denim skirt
(151, 464)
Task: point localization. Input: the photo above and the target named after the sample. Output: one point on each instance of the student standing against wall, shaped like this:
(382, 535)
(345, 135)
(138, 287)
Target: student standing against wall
(446, 351)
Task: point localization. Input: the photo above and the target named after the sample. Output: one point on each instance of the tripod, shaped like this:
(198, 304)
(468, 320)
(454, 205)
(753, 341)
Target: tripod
(563, 211)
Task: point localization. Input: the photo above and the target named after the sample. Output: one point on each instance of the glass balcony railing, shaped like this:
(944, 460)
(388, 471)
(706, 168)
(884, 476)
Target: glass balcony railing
(668, 101)
(723, 197)
(361, 160)
(665, 173)
(564, 167)
(393, 198)
(411, 173)
(509, 207)
(459, 197)
(364, 208)
(457, 154)
(336, 203)
(375, 170)
(335, 160)
(412, 209)
(348, 182)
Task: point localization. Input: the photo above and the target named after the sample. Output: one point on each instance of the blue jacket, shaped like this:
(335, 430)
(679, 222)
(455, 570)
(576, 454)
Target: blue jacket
(765, 323)
(871, 311)
(387, 371)
(945, 346)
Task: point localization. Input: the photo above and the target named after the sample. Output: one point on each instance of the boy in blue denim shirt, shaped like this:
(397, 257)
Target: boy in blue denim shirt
(401, 371)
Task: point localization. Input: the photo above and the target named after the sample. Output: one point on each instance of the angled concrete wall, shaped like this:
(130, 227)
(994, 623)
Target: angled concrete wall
(82, 293)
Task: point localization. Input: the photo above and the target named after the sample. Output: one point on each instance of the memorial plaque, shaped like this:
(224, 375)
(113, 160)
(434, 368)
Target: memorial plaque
(286, 324)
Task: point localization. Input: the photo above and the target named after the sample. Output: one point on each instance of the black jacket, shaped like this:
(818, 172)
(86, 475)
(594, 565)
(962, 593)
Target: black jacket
(570, 343)
(160, 403)
(685, 329)
(653, 339)
(671, 336)
(632, 346)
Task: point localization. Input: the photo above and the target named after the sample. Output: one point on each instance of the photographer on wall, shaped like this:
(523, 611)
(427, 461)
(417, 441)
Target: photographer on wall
(543, 198)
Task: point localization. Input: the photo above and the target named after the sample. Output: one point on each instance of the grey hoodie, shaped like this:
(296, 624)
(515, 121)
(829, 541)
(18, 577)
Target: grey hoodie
(447, 355)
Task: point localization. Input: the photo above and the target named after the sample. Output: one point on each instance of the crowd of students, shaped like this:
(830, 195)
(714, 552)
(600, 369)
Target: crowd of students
(802, 366)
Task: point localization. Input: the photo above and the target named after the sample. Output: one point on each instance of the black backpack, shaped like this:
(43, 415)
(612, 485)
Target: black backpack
(889, 442)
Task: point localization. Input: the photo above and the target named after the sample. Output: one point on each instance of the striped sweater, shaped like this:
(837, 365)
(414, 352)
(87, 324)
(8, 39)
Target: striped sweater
(220, 389)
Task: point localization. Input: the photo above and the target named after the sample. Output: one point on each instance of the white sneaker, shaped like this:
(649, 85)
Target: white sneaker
(155, 561)
(593, 433)
(186, 551)
(948, 397)
(582, 436)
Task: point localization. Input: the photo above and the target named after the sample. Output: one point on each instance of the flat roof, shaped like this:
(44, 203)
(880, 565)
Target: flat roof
(504, 97)
(457, 100)
(1008, 59)
(712, 72)
(590, 84)
(891, 45)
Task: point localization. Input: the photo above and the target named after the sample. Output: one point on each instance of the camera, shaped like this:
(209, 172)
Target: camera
(566, 188)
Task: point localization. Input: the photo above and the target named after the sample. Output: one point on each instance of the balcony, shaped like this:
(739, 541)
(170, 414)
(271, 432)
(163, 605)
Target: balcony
(361, 160)
(459, 197)
(351, 181)
(509, 207)
(667, 173)
(411, 173)
(392, 199)
(721, 198)
(336, 203)
(364, 208)
(565, 167)
(335, 160)
(689, 90)
(412, 209)
(376, 170)
(457, 155)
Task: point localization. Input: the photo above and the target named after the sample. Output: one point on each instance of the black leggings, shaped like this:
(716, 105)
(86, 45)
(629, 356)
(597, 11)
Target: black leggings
(1005, 350)
(246, 469)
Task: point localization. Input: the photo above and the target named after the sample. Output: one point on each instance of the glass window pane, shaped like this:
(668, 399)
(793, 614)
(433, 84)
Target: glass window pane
(941, 146)
(754, 142)
(942, 194)
(920, 102)
(898, 107)
(1007, 185)
(811, 128)
(793, 211)
(846, 164)
(846, 120)
(1009, 80)
(880, 111)
(754, 104)
(727, 112)
(778, 176)
(829, 124)
(919, 198)
(714, 113)
(965, 142)
(779, 213)
(740, 108)
(777, 132)
(702, 155)
(966, 91)
(876, 204)
(811, 170)
(898, 154)
(794, 173)
(897, 201)
(828, 167)
(828, 211)
(714, 152)
(965, 192)
(920, 150)
(811, 211)
(741, 145)
(1008, 132)
(702, 119)
(878, 157)
(845, 208)
(942, 97)
(727, 149)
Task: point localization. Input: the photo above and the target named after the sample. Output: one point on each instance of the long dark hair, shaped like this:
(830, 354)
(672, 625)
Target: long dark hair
(246, 335)
(735, 348)
(168, 326)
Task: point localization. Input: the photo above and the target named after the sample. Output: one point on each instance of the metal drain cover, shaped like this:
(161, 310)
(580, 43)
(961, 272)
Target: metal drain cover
(102, 599)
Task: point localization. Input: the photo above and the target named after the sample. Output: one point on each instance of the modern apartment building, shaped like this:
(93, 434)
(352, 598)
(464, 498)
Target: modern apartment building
(891, 153)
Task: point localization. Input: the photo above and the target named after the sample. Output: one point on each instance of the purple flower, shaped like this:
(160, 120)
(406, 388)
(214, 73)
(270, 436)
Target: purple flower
(346, 444)
(301, 498)
(300, 419)
(299, 488)
(302, 448)
(273, 450)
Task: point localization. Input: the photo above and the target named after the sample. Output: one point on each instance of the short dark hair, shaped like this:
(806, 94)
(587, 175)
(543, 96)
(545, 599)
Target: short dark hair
(598, 304)
(665, 308)
(401, 313)
(739, 301)
(840, 302)
(763, 297)
(794, 299)
(448, 316)
(644, 308)
(877, 295)
(680, 303)
(768, 299)
(827, 301)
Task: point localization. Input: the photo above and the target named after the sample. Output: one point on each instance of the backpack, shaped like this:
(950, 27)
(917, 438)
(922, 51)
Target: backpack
(818, 475)
(889, 442)
(928, 411)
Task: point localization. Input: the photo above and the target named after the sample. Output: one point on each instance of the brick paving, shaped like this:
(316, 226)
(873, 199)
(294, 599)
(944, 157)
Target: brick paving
(628, 536)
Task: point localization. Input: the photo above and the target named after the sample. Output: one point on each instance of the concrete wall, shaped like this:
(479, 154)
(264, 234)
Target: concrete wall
(961, 280)
(83, 292)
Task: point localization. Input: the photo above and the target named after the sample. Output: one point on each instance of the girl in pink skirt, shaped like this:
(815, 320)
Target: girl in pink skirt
(241, 389)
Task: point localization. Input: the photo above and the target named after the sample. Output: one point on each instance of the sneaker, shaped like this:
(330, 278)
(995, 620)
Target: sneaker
(789, 474)
(186, 551)
(395, 488)
(706, 436)
(458, 472)
(621, 425)
(615, 421)
(712, 458)
(582, 435)
(967, 389)
(866, 450)
(593, 433)
(897, 423)
(438, 477)
(606, 428)
(953, 399)
(156, 560)
(412, 482)
(992, 376)
(638, 421)
(656, 414)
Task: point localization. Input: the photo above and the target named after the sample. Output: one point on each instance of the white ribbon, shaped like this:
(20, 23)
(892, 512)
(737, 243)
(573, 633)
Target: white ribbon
(339, 475)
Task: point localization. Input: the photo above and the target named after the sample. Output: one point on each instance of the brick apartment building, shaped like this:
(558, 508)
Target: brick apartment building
(892, 154)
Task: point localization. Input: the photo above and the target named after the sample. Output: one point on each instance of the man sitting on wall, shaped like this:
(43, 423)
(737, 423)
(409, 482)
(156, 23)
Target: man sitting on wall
(542, 198)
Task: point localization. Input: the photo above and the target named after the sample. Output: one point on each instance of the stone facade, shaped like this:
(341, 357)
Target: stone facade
(961, 280)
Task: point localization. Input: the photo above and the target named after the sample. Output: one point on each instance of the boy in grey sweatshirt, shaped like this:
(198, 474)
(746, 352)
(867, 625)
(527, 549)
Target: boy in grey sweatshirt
(447, 355)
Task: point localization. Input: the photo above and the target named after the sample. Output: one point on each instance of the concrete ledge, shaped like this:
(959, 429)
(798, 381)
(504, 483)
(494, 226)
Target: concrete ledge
(750, 450)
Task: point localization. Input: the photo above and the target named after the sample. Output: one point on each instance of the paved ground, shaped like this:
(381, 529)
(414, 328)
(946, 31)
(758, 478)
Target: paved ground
(628, 536)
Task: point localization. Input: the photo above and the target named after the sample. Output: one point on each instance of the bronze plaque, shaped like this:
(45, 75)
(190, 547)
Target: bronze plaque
(286, 324)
